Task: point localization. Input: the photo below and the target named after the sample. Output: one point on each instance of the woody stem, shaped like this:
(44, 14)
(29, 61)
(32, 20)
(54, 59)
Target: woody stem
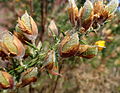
(31, 7)
(44, 5)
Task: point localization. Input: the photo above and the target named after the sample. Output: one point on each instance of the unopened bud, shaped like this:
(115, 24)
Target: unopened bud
(6, 80)
(104, 12)
(94, 1)
(49, 63)
(82, 48)
(87, 15)
(72, 12)
(11, 45)
(69, 45)
(98, 8)
(72, 3)
(29, 76)
(90, 52)
(27, 27)
(49, 60)
(112, 6)
(52, 29)
(87, 10)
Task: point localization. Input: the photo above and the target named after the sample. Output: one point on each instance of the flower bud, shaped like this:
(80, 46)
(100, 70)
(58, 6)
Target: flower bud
(112, 6)
(100, 44)
(104, 12)
(69, 45)
(11, 45)
(29, 76)
(26, 27)
(6, 80)
(87, 10)
(52, 29)
(82, 48)
(72, 12)
(93, 1)
(49, 60)
(90, 52)
(100, 14)
(98, 7)
(86, 15)
(49, 63)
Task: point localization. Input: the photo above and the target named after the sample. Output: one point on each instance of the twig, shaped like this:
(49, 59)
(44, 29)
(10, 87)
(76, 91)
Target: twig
(56, 82)
(31, 90)
(44, 5)
(31, 7)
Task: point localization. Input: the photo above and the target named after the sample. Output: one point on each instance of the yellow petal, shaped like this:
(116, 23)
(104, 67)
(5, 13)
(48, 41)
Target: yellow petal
(100, 44)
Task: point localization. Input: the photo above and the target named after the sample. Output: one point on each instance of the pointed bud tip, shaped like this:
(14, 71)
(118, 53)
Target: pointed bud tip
(29, 76)
(72, 3)
(88, 3)
(52, 29)
(112, 6)
(26, 12)
(6, 80)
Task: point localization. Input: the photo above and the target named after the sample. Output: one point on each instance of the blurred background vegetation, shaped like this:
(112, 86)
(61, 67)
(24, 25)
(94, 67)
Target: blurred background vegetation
(100, 74)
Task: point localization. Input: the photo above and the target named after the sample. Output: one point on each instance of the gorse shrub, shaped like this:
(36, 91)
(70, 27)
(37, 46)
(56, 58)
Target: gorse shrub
(26, 59)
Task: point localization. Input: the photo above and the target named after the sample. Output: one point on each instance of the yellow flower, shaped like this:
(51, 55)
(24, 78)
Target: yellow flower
(17, 0)
(100, 44)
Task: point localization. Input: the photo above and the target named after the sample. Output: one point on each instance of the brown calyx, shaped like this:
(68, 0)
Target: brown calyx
(19, 46)
(23, 27)
(72, 50)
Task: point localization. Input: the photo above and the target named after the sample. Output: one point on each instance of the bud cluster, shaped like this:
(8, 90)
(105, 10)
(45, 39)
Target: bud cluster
(91, 14)
(14, 46)
(70, 46)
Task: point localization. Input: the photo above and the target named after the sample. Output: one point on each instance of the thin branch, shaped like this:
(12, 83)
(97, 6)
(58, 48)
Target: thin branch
(56, 82)
(31, 7)
(44, 5)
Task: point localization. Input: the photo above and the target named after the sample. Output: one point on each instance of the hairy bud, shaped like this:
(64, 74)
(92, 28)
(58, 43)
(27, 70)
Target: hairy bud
(49, 60)
(82, 48)
(49, 63)
(29, 76)
(72, 12)
(11, 45)
(6, 80)
(52, 29)
(87, 15)
(112, 6)
(26, 27)
(103, 12)
(69, 45)
(89, 51)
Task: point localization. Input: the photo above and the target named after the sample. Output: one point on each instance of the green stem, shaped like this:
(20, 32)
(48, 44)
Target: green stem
(31, 45)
